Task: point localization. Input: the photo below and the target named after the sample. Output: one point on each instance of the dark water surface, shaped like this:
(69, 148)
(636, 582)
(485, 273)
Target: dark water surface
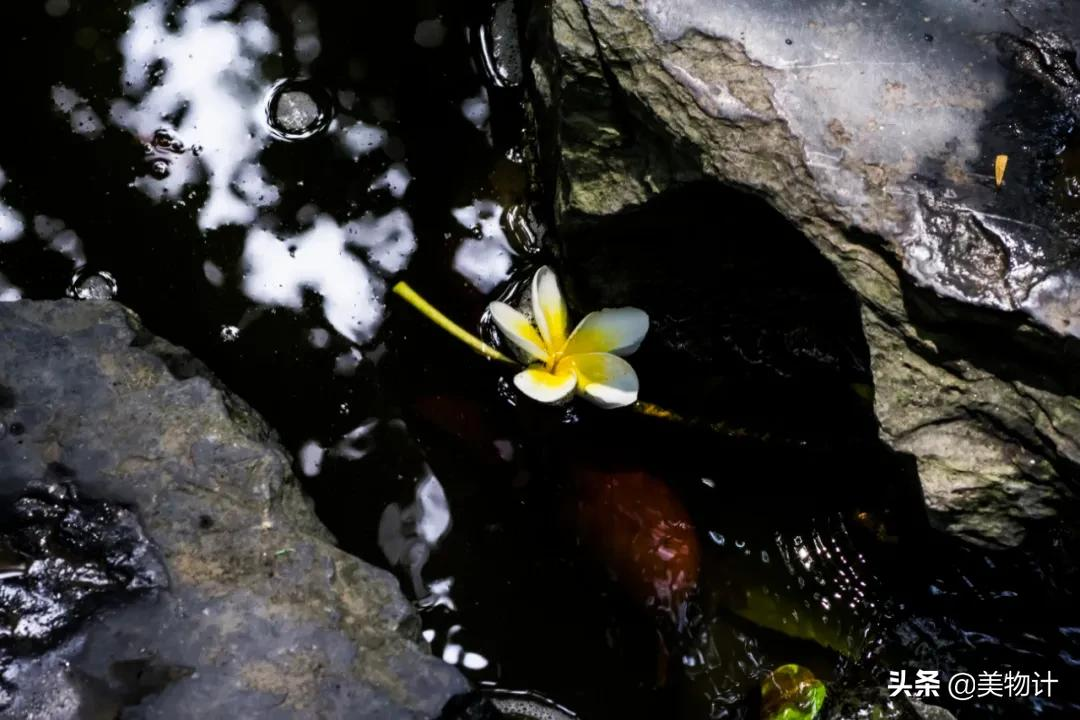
(135, 152)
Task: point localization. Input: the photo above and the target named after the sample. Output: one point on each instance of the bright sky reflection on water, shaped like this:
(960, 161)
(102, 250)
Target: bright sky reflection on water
(205, 75)
(269, 254)
(197, 75)
(11, 224)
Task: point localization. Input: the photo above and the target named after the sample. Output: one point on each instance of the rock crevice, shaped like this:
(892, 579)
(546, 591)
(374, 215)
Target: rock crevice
(874, 132)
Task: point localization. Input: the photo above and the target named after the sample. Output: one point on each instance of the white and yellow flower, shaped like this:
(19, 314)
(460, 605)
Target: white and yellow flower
(587, 360)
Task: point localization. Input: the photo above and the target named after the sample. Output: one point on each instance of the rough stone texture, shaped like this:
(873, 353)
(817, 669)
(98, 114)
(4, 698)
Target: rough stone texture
(259, 615)
(873, 127)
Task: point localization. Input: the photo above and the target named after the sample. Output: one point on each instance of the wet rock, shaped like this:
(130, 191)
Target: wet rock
(156, 510)
(64, 558)
(880, 146)
(931, 712)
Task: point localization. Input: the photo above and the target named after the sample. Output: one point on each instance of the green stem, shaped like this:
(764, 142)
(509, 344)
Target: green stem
(410, 296)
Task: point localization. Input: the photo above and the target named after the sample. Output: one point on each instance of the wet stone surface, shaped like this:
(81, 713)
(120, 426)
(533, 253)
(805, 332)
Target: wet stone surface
(156, 556)
(62, 558)
(875, 130)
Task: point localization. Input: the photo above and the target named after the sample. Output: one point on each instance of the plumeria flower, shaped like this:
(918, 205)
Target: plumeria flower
(587, 360)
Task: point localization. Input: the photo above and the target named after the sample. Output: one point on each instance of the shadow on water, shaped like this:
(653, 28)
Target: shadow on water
(268, 251)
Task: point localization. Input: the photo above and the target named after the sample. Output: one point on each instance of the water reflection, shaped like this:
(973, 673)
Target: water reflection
(359, 139)
(11, 223)
(484, 259)
(8, 292)
(271, 259)
(278, 270)
(203, 76)
(84, 121)
(408, 534)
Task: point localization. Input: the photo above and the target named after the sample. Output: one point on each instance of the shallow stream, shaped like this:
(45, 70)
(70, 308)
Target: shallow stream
(252, 177)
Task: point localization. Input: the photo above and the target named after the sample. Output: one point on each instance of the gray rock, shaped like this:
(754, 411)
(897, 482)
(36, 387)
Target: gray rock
(931, 712)
(223, 596)
(874, 129)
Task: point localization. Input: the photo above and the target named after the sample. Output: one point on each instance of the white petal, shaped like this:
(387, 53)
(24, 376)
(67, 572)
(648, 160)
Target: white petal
(549, 309)
(545, 387)
(602, 378)
(615, 330)
(518, 330)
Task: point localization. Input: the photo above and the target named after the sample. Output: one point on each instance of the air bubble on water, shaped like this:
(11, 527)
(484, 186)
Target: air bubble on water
(159, 169)
(297, 109)
(164, 139)
(99, 285)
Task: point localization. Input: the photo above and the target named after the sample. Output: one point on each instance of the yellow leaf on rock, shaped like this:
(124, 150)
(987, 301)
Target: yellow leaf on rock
(1000, 163)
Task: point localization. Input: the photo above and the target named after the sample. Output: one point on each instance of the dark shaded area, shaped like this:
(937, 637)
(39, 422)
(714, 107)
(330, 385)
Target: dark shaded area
(754, 323)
